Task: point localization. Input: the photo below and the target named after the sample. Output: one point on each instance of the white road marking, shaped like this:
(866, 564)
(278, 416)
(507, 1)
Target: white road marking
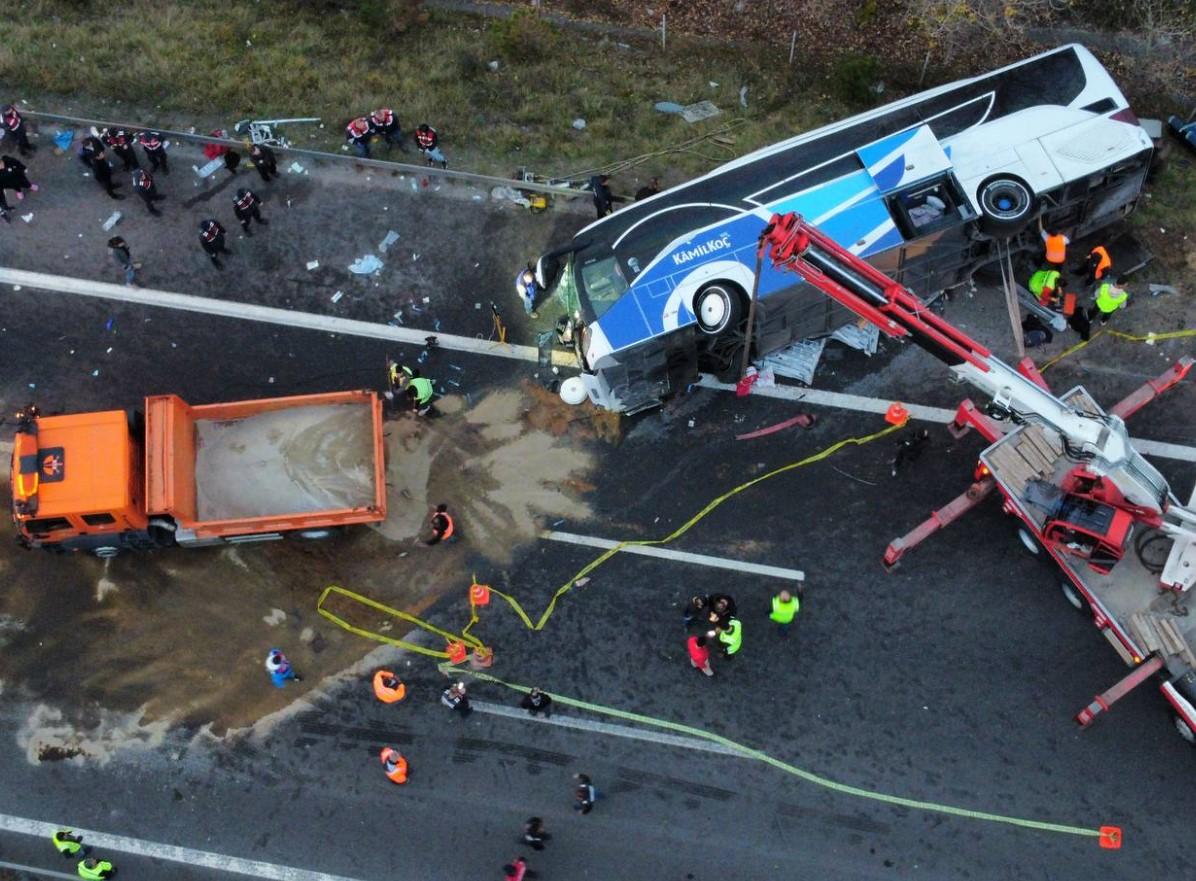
(608, 728)
(34, 870)
(917, 411)
(679, 556)
(412, 336)
(270, 315)
(169, 852)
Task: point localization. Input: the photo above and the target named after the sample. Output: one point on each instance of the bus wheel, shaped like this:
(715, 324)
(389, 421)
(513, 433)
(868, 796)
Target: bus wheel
(1074, 598)
(107, 552)
(718, 308)
(1185, 730)
(1031, 544)
(1007, 205)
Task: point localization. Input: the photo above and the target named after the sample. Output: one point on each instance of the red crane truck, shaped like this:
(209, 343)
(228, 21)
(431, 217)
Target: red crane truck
(1066, 469)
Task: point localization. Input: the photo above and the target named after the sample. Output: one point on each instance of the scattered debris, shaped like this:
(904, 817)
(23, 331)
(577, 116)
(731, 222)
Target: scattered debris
(1156, 289)
(27, 217)
(510, 194)
(697, 112)
(493, 65)
(579, 123)
(805, 420)
(112, 220)
(668, 107)
(391, 238)
(276, 617)
(63, 139)
(296, 168)
(743, 96)
(365, 265)
(313, 264)
(336, 298)
(210, 168)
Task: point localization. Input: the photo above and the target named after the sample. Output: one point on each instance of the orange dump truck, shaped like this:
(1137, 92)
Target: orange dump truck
(198, 475)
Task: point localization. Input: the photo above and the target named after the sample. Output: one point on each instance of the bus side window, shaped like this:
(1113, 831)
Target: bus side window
(923, 209)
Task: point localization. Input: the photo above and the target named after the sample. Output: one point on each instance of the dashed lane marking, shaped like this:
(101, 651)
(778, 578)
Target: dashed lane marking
(169, 852)
(941, 415)
(412, 336)
(679, 556)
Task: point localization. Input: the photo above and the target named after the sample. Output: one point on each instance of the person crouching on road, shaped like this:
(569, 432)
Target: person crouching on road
(730, 637)
(280, 668)
(420, 394)
(443, 527)
(536, 701)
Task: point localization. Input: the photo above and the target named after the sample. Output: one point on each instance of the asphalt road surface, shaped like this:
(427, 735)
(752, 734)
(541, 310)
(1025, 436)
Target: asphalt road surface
(952, 680)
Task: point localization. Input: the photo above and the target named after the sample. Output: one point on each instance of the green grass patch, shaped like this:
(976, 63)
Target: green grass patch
(205, 62)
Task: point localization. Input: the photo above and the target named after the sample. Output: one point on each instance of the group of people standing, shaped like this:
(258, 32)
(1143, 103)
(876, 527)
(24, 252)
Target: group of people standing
(1053, 289)
(383, 124)
(719, 628)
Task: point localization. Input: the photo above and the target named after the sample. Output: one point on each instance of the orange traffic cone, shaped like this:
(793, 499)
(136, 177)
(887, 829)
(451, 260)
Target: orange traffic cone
(456, 652)
(479, 594)
(896, 414)
(1110, 837)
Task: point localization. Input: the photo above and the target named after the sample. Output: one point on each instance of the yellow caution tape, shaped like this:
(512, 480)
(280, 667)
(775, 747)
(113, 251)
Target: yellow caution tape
(1133, 338)
(467, 638)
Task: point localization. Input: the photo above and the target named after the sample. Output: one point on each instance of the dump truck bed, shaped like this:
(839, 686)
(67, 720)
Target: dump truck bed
(269, 465)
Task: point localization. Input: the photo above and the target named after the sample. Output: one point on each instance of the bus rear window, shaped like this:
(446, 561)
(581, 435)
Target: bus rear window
(603, 283)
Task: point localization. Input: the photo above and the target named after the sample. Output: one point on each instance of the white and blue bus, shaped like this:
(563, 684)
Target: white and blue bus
(924, 188)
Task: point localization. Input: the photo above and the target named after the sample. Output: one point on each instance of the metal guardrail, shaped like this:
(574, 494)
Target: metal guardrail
(381, 164)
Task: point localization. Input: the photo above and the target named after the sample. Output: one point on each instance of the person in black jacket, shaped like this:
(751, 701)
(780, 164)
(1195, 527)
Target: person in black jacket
(246, 206)
(264, 161)
(211, 239)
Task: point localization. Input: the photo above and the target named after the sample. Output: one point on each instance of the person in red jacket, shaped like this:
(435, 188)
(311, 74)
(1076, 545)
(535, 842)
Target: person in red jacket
(699, 654)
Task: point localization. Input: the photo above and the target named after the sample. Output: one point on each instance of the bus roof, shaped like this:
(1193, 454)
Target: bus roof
(1067, 77)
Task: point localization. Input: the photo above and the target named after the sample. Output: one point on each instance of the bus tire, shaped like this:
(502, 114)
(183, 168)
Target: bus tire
(718, 308)
(1007, 205)
(1184, 729)
(106, 552)
(1074, 598)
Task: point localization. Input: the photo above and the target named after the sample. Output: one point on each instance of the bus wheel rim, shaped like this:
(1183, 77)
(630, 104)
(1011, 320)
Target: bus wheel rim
(712, 310)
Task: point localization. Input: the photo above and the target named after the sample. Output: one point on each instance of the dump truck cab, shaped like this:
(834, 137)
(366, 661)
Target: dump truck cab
(77, 482)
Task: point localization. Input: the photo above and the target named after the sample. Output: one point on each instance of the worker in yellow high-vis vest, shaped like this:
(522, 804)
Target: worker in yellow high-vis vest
(784, 609)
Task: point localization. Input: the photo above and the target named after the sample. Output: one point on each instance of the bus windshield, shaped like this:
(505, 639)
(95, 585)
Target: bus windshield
(602, 283)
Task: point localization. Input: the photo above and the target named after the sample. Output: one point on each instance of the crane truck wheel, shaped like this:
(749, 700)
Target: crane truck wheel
(1074, 598)
(718, 308)
(1028, 540)
(1007, 205)
(1184, 729)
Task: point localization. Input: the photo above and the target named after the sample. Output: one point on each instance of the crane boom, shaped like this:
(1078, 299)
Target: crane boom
(1098, 441)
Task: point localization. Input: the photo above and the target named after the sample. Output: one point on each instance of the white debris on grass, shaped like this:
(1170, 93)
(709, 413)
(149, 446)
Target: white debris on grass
(313, 264)
(276, 617)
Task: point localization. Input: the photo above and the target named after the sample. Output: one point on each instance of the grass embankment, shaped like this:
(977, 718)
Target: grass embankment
(205, 62)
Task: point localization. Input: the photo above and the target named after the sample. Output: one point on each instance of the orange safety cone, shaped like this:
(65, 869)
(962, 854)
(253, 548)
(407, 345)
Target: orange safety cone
(896, 414)
(479, 594)
(388, 688)
(395, 765)
(456, 652)
(1110, 837)
(482, 657)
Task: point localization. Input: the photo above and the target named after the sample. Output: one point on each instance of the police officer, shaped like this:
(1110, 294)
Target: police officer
(429, 144)
(96, 870)
(13, 177)
(67, 843)
(90, 149)
(102, 169)
(264, 161)
(245, 206)
(14, 125)
(211, 239)
(143, 186)
(384, 122)
(603, 199)
(1109, 298)
(122, 145)
(358, 133)
(155, 150)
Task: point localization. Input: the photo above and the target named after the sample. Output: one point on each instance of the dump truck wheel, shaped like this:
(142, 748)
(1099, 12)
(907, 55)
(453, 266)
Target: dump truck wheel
(1074, 598)
(1029, 542)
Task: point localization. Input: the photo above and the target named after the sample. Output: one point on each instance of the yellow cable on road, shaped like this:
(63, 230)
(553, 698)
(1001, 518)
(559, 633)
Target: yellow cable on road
(1110, 836)
(466, 638)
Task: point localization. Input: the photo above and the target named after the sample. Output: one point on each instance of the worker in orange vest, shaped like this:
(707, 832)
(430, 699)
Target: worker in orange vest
(388, 688)
(1056, 245)
(1098, 263)
(443, 528)
(395, 765)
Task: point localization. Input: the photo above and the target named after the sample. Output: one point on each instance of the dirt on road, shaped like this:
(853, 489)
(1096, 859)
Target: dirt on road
(112, 653)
